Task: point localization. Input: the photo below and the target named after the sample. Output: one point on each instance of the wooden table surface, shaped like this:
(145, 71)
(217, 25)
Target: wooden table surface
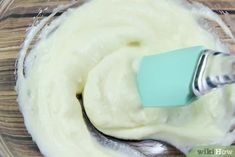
(15, 17)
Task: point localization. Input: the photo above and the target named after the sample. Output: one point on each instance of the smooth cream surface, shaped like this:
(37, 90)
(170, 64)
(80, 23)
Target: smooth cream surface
(95, 52)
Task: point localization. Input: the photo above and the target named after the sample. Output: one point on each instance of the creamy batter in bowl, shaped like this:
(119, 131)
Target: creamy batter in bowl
(94, 51)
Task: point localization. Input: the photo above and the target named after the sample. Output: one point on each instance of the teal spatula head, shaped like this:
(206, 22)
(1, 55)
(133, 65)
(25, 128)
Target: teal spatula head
(165, 80)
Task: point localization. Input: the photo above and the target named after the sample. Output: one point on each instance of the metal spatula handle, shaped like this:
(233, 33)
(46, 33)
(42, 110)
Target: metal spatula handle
(214, 70)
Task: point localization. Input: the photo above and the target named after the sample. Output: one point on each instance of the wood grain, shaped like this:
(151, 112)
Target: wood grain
(15, 17)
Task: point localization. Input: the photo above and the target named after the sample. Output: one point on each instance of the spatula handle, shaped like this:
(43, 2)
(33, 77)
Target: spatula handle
(214, 70)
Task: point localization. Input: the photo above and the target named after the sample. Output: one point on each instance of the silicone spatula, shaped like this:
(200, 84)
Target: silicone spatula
(179, 77)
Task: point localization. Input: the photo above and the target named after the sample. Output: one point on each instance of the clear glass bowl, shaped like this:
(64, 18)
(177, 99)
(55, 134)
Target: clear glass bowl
(16, 16)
